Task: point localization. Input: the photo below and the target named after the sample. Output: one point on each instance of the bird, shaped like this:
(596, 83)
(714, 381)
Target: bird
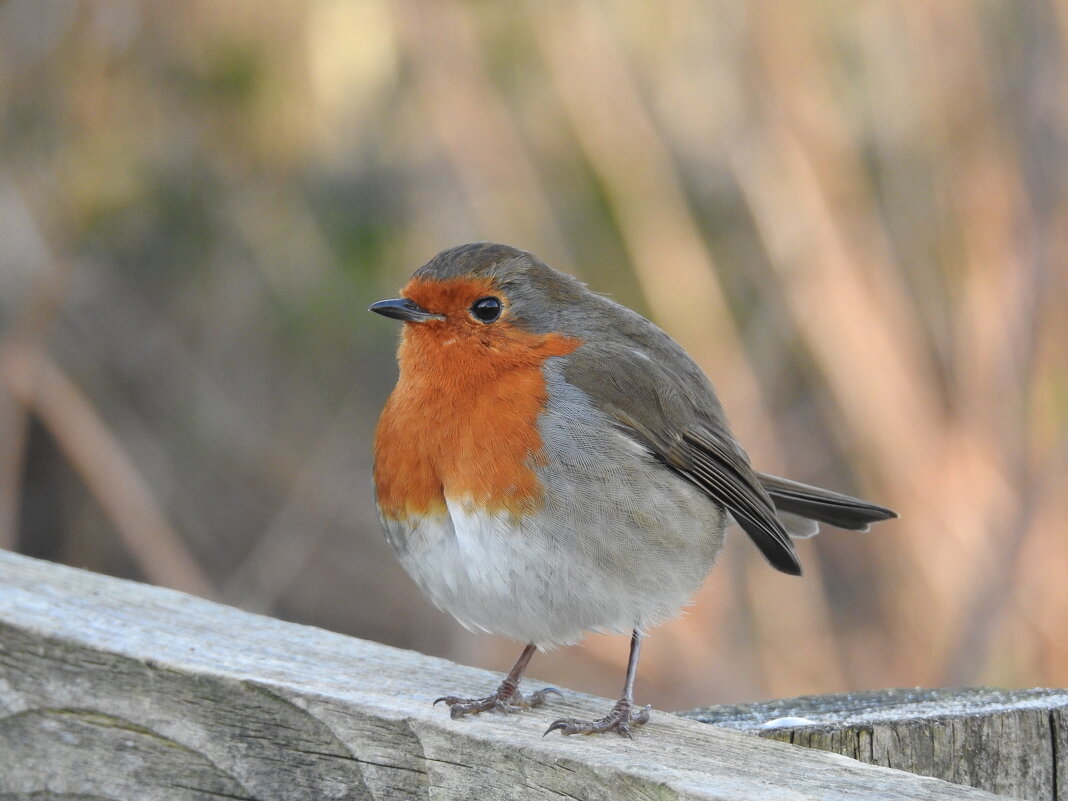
(551, 463)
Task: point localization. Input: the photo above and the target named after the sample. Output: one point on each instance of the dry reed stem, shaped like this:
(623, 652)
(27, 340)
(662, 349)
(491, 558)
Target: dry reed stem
(281, 552)
(101, 461)
(996, 333)
(673, 265)
(864, 322)
(475, 129)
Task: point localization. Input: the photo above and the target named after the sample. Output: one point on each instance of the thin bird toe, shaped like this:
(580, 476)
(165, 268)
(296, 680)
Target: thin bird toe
(538, 698)
(507, 704)
(458, 707)
(566, 726)
(622, 720)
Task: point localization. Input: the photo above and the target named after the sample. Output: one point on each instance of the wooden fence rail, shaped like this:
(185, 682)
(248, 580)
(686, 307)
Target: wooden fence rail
(1011, 742)
(111, 689)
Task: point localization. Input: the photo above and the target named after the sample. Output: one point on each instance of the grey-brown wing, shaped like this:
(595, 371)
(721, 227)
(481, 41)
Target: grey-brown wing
(677, 416)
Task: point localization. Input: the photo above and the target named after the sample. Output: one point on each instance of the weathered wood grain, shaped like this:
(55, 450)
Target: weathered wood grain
(112, 689)
(1010, 742)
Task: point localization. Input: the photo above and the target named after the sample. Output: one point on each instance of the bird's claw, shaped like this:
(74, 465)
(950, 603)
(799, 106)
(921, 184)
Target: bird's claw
(620, 720)
(538, 698)
(498, 702)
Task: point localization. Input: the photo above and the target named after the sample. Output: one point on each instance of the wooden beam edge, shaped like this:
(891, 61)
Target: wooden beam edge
(215, 697)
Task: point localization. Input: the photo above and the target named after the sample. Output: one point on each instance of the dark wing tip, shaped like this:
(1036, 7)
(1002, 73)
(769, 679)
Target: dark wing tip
(792, 570)
(784, 562)
(717, 465)
(773, 542)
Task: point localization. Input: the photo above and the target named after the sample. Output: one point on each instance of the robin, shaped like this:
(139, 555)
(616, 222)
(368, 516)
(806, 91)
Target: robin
(552, 463)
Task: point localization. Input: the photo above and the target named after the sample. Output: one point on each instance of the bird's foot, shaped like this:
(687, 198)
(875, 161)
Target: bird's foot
(621, 720)
(506, 699)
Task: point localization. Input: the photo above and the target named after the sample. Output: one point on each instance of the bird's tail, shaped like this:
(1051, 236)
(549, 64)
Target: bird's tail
(797, 504)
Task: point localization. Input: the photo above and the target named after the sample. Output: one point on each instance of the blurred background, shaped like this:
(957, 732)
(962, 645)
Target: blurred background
(853, 215)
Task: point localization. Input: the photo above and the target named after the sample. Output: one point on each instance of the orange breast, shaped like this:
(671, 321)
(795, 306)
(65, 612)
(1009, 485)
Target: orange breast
(462, 420)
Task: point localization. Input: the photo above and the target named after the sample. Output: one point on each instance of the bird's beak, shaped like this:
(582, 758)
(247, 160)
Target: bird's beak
(404, 309)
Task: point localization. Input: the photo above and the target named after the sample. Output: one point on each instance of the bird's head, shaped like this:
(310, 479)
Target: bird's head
(485, 303)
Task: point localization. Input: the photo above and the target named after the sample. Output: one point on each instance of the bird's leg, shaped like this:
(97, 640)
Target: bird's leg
(507, 698)
(623, 715)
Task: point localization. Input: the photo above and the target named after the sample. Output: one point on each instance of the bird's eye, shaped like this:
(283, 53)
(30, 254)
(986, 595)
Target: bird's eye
(487, 309)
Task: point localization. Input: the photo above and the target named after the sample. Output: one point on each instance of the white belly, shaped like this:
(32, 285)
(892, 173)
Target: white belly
(487, 575)
(623, 563)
